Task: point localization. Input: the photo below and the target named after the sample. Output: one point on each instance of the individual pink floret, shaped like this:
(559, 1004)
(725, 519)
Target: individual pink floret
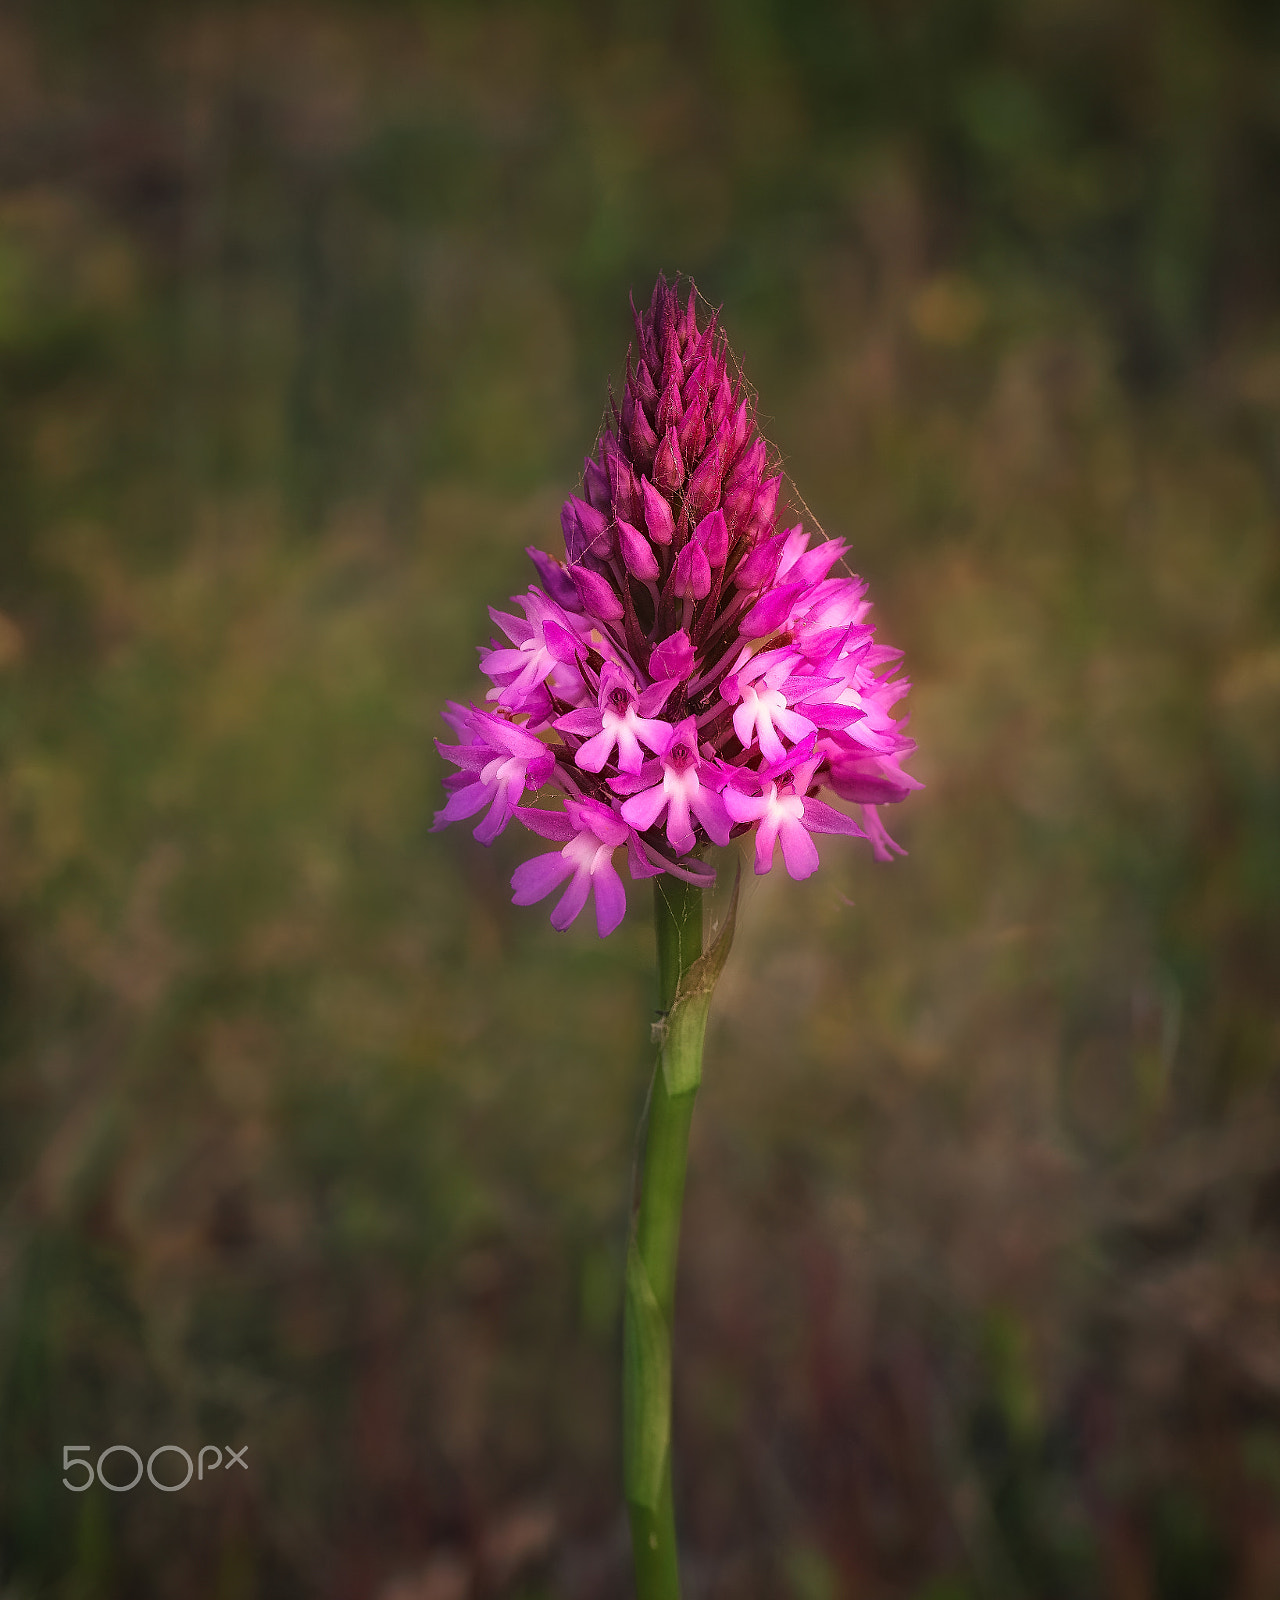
(785, 814)
(498, 762)
(681, 793)
(591, 833)
(618, 720)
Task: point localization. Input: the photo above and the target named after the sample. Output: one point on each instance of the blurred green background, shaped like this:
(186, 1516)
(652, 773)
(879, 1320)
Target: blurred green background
(310, 1141)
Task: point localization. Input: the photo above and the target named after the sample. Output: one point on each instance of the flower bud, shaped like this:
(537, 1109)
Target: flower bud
(712, 534)
(691, 576)
(657, 513)
(704, 490)
(673, 658)
(668, 466)
(637, 552)
(597, 594)
(644, 441)
(670, 409)
(586, 530)
(596, 482)
(555, 579)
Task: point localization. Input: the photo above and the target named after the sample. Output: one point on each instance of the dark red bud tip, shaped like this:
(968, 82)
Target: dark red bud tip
(644, 441)
(597, 594)
(657, 514)
(668, 467)
(695, 385)
(689, 330)
(622, 485)
(692, 432)
(704, 490)
(670, 407)
(741, 428)
(722, 405)
(744, 483)
(646, 388)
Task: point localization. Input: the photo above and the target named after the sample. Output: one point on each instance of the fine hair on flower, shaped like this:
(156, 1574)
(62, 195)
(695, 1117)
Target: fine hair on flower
(694, 669)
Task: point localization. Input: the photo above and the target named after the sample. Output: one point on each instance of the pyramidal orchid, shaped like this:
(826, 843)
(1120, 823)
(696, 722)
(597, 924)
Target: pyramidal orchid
(691, 671)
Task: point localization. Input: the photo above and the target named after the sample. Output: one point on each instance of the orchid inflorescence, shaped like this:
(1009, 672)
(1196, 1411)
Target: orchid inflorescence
(691, 671)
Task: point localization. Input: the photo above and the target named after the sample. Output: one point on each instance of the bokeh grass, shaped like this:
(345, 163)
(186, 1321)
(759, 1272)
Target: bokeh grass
(310, 1139)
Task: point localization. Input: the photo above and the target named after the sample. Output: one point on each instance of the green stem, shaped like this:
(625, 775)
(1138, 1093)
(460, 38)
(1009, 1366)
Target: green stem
(685, 981)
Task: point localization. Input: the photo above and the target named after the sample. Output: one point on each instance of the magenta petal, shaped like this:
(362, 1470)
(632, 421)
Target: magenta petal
(462, 803)
(743, 807)
(643, 810)
(593, 755)
(798, 850)
(548, 824)
(710, 811)
(500, 813)
(572, 900)
(583, 722)
(655, 697)
(638, 863)
(883, 847)
(822, 818)
(534, 880)
(611, 898)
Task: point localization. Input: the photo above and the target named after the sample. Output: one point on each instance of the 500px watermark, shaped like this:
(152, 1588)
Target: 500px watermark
(74, 1455)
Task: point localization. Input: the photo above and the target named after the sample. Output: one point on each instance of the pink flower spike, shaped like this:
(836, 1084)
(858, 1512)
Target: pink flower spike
(682, 601)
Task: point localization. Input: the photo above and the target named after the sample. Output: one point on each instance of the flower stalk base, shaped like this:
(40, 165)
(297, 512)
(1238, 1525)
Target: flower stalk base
(686, 978)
